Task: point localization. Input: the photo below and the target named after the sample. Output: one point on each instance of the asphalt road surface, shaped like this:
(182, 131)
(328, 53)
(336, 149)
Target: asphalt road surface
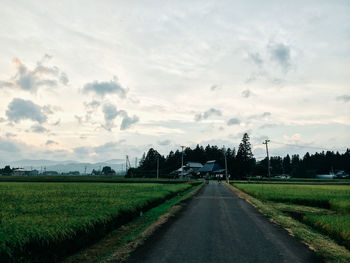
(217, 226)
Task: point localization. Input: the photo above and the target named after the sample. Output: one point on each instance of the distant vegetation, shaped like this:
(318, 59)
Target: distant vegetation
(43, 220)
(241, 163)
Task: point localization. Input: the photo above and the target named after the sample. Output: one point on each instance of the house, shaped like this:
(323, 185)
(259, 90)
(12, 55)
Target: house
(18, 172)
(211, 168)
(189, 169)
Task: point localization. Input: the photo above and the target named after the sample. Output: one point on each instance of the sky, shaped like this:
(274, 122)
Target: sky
(97, 80)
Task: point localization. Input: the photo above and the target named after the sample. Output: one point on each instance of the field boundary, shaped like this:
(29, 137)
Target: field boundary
(124, 240)
(325, 248)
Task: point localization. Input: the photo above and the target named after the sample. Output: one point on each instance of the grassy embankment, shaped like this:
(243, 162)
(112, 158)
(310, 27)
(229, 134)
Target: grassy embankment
(46, 221)
(317, 214)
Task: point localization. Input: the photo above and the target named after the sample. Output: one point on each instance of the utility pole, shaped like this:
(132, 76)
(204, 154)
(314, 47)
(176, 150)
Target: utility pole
(157, 167)
(135, 162)
(225, 164)
(268, 158)
(182, 162)
(85, 170)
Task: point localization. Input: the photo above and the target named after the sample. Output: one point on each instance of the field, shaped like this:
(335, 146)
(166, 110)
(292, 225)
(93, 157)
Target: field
(326, 208)
(40, 221)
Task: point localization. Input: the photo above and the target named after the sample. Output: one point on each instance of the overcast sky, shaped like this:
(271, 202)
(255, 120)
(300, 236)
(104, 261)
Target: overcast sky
(96, 80)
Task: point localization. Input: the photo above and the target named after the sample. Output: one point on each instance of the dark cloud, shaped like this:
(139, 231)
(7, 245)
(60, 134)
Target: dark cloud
(51, 142)
(246, 93)
(106, 87)
(110, 112)
(205, 115)
(343, 98)
(127, 122)
(164, 143)
(256, 58)
(31, 80)
(233, 121)
(37, 128)
(20, 109)
(281, 54)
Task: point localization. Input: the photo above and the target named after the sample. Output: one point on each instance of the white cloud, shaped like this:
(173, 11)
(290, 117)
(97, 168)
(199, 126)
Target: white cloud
(30, 80)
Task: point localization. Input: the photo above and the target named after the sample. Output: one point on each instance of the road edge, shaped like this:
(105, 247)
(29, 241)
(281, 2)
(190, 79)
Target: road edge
(324, 247)
(123, 252)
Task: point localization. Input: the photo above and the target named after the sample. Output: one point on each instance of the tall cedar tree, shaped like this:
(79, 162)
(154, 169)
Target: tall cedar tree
(245, 157)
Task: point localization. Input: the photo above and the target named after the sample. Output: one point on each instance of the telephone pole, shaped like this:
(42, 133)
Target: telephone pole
(268, 158)
(182, 162)
(225, 164)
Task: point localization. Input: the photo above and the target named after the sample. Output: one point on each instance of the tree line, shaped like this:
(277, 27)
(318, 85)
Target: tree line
(241, 163)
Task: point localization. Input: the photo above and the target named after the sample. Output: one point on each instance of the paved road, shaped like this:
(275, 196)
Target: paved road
(217, 226)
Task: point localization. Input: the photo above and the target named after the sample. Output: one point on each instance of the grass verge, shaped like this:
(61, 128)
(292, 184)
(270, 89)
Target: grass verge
(325, 248)
(117, 246)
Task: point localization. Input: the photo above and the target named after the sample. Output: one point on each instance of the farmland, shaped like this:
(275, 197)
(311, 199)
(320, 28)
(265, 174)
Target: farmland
(325, 208)
(42, 220)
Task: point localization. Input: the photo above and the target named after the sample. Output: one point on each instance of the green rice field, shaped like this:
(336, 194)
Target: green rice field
(333, 220)
(39, 220)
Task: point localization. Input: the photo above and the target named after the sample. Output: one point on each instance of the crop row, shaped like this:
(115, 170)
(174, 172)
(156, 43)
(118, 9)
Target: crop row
(42, 221)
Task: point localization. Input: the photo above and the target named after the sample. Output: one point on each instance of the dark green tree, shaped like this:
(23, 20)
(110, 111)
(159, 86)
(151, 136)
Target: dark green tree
(245, 158)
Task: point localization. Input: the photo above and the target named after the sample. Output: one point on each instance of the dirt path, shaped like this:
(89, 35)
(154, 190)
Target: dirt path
(217, 226)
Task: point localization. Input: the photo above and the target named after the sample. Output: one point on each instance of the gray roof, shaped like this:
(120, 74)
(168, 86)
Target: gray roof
(211, 166)
(194, 165)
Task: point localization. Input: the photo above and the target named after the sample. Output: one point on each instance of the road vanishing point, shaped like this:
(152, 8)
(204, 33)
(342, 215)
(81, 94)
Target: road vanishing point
(218, 226)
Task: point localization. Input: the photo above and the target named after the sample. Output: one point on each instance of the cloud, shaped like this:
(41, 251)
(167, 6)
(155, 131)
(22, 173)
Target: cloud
(110, 112)
(164, 143)
(214, 87)
(51, 142)
(106, 87)
(7, 146)
(256, 58)
(127, 122)
(9, 135)
(37, 128)
(233, 121)
(20, 109)
(105, 147)
(246, 93)
(280, 53)
(32, 79)
(260, 116)
(343, 98)
(205, 115)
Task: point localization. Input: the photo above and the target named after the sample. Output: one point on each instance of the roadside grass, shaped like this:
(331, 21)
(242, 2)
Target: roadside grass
(335, 197)
(327, 249)
(117, 245)
(45, 221)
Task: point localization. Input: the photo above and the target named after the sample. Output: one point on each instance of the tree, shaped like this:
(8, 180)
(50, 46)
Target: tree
(245, 158)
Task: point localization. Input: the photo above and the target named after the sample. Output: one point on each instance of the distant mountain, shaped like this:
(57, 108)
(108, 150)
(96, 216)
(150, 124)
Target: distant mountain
(65, 166)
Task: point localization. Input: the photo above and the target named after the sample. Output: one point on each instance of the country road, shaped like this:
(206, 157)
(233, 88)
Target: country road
(217, 226)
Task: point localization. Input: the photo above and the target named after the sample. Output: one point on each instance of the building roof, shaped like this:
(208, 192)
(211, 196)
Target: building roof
(194, 165)
(211, 166)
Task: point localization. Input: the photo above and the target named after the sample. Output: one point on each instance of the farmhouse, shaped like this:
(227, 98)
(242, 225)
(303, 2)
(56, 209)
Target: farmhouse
(189, 169)
(211, 168)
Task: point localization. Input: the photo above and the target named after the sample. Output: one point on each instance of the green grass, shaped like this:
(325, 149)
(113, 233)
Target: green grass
(40, 221)
(87, 178)
(336, 226)
(118, 244)
(324, 208)
(336, 197)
